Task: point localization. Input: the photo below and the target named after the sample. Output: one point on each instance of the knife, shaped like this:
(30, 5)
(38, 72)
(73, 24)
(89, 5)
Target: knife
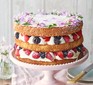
(81, 74)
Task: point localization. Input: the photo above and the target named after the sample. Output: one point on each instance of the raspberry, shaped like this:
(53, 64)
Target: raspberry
(70, 54)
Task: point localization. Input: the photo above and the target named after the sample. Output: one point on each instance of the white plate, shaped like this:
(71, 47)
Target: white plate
(88, 78)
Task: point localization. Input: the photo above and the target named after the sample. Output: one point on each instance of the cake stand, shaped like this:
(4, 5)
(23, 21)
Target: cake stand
(49, 70)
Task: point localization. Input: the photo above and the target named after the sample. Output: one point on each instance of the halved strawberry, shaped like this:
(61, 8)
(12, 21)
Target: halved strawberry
(66, 38)
(75, 37)
(74, 49)
(27, 51)
(26, 38)
(55, 53)
(49, 56)
(17, 52)
(79, 33)
(70, 54)
(60, 54)
(35, 55)
(46, 38)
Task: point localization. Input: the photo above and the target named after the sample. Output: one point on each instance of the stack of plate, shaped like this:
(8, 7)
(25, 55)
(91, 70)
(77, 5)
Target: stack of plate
(87, 79)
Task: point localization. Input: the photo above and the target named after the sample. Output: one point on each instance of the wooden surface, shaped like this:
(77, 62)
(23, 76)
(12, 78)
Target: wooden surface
(5, 82)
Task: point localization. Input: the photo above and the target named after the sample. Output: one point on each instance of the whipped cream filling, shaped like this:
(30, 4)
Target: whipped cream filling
(23, 55)
(51, 40)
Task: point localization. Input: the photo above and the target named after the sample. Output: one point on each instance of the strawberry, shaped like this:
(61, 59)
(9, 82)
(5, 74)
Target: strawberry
(75, 37)
(17, 52)
(35, 55)
(46, 38)
(55, 53)
(74, 49)
(49, 56)
(83, 48)
(27, 51)
(79, 33)
(70, 54)
(66, 38)
(26, 38)
(60, 54)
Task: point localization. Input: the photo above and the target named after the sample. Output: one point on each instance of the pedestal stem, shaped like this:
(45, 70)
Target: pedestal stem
(49, 79)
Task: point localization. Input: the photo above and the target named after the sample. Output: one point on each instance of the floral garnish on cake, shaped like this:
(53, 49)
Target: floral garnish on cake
(48, 20)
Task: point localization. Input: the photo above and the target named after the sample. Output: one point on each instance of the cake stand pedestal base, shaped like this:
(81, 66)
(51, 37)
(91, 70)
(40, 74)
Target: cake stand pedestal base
(49, 79)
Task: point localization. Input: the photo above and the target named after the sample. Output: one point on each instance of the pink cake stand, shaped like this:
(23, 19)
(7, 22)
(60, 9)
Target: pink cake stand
(49, 70)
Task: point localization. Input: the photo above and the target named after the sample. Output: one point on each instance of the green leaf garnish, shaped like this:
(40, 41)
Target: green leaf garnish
(52, 25)
(17, 21)
(26, 23)
(79, 16)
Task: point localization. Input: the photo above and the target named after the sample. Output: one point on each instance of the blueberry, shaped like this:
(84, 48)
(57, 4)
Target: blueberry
(20, 48)
(56, 41)
(17, 35)
(79, 48)
(42, 54)
(36, 40)
(57, 37)
(65, 53)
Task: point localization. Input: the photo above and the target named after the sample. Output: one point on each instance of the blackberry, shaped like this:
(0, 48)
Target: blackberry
(65, 53)
(42, 54)
(56, 41)
(57, 37)
(36, 40)
(20, 48)
(79, 48)
(17, 35)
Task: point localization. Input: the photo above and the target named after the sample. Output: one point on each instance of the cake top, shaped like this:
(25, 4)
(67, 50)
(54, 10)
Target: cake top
(48, 20)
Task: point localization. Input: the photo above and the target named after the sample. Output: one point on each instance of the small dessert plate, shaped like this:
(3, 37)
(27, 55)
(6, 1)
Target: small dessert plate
(88, 78)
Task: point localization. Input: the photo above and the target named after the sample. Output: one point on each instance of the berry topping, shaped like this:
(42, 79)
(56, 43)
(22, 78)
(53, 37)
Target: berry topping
(27, 51)
(79, 48)
(55, 53)
(20, 48)
(17, 35)
(35, 55)
(74, 49)
(66, 38)
(26, 38)
(36, 40)
(57, 37)
(79, 33)
(42, 54)
(60, 54)
(49, 56)
(56, 41)
(17, 52)
(46, 38)
(70, 54)
(75, 37)
(65, 53)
